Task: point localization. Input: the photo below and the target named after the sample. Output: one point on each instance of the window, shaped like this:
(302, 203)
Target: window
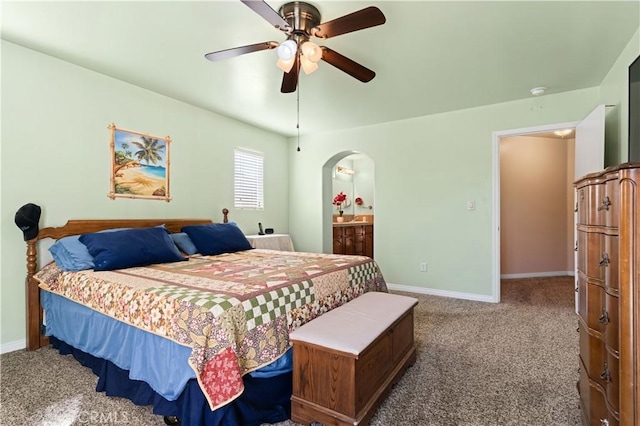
(248, 192)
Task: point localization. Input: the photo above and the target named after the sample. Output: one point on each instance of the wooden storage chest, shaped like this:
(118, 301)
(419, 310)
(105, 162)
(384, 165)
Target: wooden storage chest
(345, 362)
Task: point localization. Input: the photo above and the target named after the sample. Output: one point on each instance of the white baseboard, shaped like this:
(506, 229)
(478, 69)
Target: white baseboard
(538, 275)
(13, 346)
(442, 293)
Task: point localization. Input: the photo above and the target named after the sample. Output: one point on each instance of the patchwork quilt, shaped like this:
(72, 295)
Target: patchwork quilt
(234, 311)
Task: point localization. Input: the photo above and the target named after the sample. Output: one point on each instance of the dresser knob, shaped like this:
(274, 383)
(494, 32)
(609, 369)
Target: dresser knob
(605, 204)
(576, 209)
(604, 260)
(604, 318)
(605, 375)
(576, 248)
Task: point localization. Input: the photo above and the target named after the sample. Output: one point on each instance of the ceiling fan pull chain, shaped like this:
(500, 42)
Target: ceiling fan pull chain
(298, 106)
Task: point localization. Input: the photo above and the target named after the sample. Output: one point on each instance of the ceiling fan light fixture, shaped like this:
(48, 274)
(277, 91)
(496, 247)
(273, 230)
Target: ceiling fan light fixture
(285, 65)
(308, 66)
(287, 50)
(300, 21)
(311, 51)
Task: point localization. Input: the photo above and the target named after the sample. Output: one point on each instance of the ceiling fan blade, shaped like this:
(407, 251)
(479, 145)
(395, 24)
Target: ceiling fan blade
(290, 79)
(365, 18)
(345, 64)
(237, 51)
(270, 15)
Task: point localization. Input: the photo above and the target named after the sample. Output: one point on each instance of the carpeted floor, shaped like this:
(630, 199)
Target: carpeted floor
(478, 364)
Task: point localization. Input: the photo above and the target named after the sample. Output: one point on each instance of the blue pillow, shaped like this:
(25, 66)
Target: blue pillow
(217, 238)
(71, 255)
(129, 248)
(184, 243)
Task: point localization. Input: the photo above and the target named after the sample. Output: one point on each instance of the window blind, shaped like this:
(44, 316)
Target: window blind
(248, 179)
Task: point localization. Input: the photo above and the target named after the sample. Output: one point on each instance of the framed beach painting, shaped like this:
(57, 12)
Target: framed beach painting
(139, 165)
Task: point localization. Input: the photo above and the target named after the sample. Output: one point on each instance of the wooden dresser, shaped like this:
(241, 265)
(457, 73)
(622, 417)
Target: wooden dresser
(608, 248)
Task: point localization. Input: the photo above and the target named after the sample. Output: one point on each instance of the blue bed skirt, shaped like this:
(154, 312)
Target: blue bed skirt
(264, 400)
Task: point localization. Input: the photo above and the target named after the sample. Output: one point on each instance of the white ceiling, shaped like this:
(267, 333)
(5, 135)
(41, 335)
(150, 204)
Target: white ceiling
(430, 56)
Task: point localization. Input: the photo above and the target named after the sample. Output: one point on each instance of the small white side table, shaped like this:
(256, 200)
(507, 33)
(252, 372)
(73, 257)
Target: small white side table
(281, 242)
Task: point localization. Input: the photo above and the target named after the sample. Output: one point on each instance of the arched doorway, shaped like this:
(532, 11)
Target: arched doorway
(351, 173)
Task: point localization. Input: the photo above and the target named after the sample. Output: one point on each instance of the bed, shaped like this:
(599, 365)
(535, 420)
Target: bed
(203, 340)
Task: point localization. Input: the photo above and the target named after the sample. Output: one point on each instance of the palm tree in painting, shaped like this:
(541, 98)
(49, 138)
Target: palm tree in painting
(150, 150)
(125, 148)
(123, 156)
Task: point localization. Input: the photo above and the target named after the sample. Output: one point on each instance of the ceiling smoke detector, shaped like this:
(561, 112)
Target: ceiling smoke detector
(537, 91)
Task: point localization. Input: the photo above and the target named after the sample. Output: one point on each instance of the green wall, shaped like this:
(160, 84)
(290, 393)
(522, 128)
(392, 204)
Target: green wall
(55, 153)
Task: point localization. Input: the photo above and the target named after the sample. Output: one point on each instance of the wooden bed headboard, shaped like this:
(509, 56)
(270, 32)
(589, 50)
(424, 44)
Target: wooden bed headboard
(35, 336)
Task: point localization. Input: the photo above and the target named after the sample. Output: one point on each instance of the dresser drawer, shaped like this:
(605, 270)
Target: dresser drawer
(587, 199)
(591, 305)
(594, 404)
(594, 195)
(601, 204)
(595, 256)
(594, 356)
(582, 298)
(612, 331)
(601, 366)
(582, 248)
(600, 258)
(582, 206)
(609, 204)
(609, 262)
(612, 381)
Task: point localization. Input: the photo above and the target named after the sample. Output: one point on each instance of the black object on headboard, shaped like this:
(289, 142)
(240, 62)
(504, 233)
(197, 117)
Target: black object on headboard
(27, 218)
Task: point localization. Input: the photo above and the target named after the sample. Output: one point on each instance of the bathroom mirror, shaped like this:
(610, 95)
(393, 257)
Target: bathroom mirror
(353, 175)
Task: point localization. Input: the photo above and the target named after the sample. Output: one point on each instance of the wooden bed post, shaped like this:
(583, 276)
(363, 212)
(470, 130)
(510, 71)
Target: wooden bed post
(35, 339)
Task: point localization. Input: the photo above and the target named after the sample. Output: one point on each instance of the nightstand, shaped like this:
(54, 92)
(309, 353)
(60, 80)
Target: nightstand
(281, 242)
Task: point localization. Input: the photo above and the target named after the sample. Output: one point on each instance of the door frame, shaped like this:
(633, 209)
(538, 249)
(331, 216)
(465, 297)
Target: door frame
(328, 169)
(495, 223)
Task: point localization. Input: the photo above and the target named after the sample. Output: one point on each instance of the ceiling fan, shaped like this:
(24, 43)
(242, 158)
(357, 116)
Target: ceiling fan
(300, 21)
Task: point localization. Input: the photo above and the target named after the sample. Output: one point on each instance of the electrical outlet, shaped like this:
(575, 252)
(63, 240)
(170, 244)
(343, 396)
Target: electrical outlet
(423, 266)
(471, 205)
